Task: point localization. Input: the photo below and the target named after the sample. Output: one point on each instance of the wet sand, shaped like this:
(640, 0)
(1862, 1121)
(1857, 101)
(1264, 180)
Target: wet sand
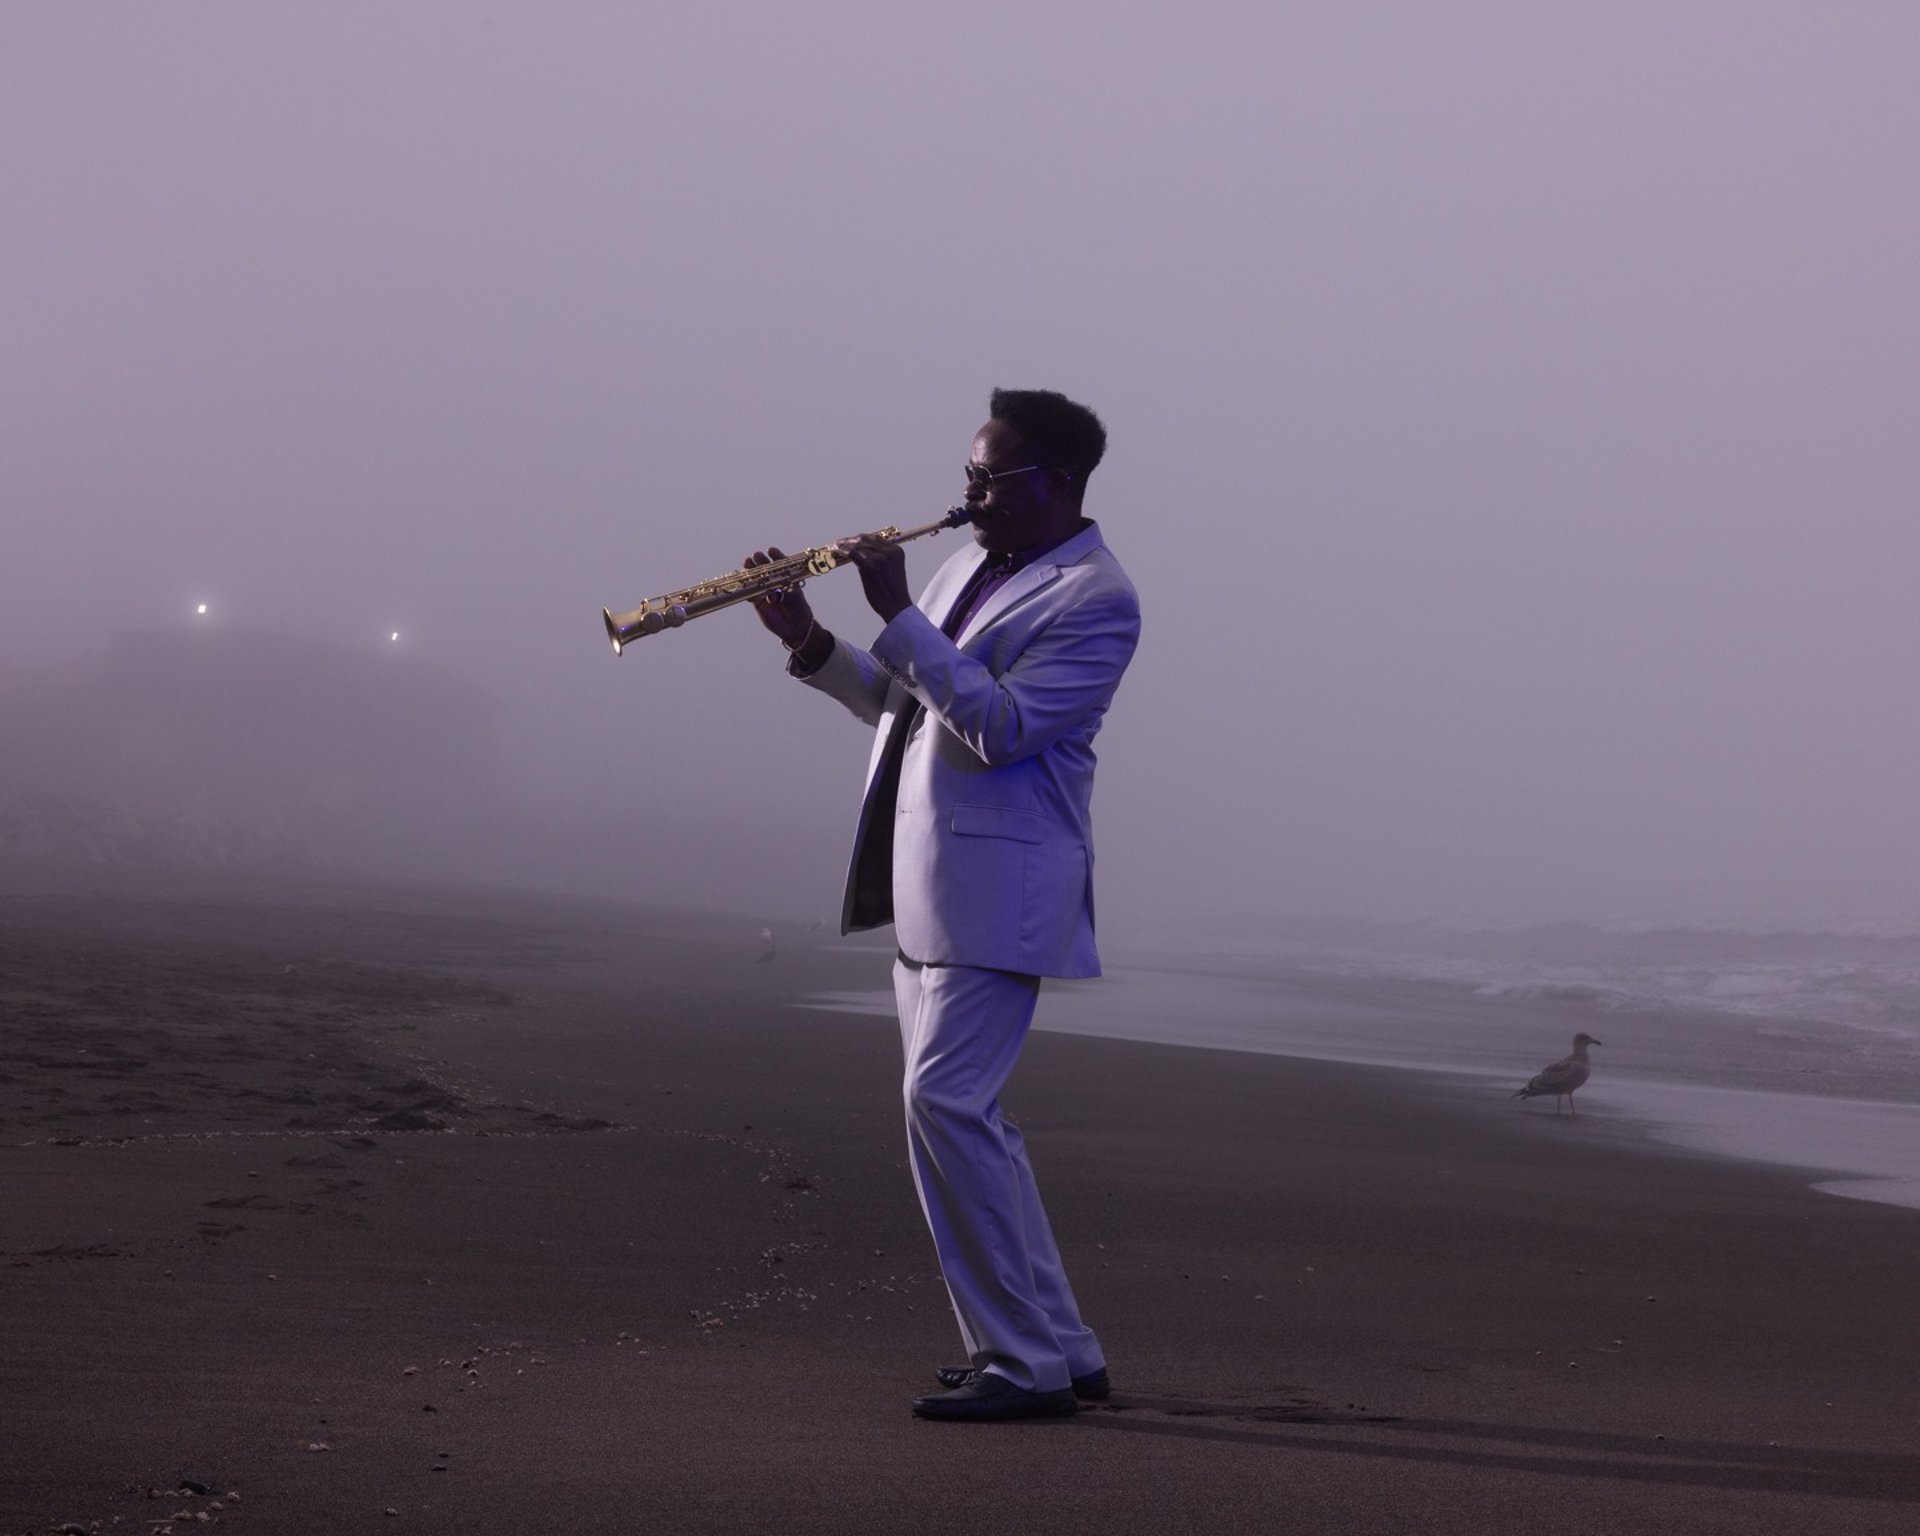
(517, 1215)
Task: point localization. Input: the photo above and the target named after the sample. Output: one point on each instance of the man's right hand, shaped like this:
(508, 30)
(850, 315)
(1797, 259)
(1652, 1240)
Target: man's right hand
(787, 614)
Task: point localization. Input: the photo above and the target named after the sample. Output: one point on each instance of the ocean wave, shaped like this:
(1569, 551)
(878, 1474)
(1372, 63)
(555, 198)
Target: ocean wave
(1868, 983)
(1602, 998)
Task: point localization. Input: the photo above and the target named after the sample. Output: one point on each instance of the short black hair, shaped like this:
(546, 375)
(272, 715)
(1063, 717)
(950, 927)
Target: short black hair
(1061, 433)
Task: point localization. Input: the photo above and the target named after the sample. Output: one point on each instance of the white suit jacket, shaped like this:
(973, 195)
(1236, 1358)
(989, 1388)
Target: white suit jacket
(993, 838)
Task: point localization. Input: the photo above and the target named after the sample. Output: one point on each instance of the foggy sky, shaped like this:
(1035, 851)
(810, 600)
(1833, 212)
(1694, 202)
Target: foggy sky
(1512, 406)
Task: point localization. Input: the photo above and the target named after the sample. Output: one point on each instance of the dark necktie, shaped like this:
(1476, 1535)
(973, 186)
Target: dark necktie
(873, 869)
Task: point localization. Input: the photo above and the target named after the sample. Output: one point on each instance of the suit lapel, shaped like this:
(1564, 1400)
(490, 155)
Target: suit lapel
(947, 582)
(1021, 585)
(1031, 579)
(934, 602)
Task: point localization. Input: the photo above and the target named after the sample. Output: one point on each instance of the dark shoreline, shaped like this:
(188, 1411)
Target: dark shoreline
(667, 1248)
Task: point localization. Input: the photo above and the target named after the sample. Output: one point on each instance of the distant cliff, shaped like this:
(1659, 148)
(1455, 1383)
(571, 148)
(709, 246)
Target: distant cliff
(221, 746)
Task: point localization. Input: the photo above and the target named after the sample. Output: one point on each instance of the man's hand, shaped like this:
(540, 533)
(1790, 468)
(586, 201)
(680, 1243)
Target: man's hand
(788, 614)
(883, 573)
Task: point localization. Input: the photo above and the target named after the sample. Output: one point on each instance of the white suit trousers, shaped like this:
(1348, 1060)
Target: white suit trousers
(962, 1029)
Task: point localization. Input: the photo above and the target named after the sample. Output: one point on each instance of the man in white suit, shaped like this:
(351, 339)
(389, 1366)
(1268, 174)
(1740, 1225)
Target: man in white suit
(975, 842)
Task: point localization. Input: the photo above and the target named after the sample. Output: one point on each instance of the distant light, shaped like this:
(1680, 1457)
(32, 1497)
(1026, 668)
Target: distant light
(201, 609)
(394, 636)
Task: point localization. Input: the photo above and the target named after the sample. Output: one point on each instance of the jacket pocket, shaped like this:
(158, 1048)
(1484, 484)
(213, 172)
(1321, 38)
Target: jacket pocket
(999, 821)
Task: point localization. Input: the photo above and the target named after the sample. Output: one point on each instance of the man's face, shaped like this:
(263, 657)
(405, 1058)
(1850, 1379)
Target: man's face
(1008, 512)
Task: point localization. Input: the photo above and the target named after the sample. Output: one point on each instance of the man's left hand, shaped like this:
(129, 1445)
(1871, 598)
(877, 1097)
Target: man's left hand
(883, 573)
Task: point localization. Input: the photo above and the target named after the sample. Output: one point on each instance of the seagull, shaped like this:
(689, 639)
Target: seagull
(1563, 1076)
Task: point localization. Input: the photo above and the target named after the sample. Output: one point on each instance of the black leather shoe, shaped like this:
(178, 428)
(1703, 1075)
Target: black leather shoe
(987, 1398)
(1094, 1387)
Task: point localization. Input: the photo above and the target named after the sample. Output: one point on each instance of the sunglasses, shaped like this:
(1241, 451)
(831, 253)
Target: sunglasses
(979, 474)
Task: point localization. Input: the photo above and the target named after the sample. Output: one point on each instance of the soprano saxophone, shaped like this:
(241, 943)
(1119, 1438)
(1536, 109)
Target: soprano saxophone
(750, 581)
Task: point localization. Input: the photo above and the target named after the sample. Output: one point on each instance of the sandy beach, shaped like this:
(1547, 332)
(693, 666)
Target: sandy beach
(344, 1210)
